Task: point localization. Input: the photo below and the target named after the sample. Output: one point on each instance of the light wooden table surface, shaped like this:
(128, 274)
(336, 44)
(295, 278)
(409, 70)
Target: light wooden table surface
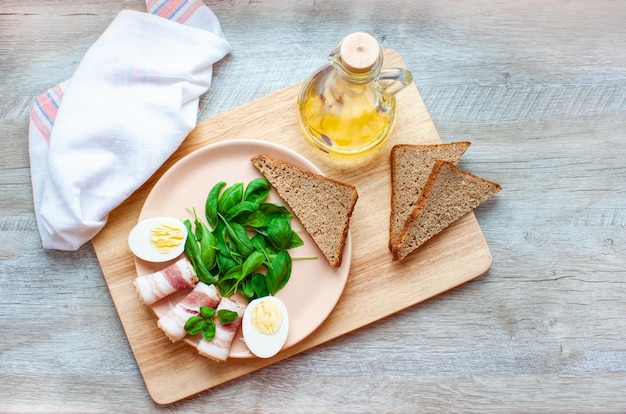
(538, 87)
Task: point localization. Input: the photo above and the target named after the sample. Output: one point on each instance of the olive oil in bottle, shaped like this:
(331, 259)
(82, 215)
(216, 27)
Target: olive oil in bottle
(347, 107)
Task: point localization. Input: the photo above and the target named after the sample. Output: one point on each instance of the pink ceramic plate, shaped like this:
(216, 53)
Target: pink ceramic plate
(314, 287)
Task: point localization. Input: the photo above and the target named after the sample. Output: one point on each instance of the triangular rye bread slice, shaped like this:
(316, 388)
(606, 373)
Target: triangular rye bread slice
(449, 194)
(323, 205)
(410, 168)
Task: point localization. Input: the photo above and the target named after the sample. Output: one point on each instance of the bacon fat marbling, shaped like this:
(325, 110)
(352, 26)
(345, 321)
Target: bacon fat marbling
(173, 322)
(218, 348)
(155, 286)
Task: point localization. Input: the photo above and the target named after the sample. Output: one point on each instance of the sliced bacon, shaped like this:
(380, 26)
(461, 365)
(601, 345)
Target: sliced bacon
(155, 286)
(173, 322)
(219, 347)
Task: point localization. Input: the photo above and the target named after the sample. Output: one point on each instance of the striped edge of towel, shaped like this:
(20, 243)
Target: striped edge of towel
(43, 111)
(176, 10)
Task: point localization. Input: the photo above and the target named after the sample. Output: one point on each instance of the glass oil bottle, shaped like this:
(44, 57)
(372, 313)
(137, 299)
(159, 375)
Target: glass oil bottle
(347, 107)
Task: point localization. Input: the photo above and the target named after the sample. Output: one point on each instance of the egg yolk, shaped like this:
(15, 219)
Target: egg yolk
(166, 237)
(266, 317)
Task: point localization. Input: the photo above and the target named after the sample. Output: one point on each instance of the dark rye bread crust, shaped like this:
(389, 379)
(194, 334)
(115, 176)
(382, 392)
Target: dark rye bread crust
(410, 167)
(323, 205)
(448, 195)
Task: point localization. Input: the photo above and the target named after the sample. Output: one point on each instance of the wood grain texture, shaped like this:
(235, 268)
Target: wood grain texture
(457, 255)
(540, 90)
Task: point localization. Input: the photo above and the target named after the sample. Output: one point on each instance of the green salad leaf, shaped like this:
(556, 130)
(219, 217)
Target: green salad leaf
(243, 245)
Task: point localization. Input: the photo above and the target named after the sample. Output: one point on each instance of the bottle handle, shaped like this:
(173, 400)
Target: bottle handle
(393, 80)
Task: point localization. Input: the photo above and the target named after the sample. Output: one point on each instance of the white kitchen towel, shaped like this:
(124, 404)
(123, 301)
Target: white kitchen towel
(96, 138)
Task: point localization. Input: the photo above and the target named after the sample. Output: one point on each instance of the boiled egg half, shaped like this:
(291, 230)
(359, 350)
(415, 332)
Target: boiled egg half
(265, 326)
(158, 239)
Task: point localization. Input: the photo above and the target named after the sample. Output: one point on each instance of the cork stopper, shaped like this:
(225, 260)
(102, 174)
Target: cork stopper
(359, 52)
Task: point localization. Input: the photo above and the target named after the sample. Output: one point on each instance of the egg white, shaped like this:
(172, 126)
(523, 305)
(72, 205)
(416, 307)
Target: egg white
(141, 246)
(261, 345)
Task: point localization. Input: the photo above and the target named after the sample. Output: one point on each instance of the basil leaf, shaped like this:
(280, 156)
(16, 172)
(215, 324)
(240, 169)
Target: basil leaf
(239, 236)
(258, 242)
(257, 190)
(208, 249)
(296, 241)
(211, 204)
(224, 262)
(191, 245)
(234, 273)
(194, 325)
(193, 253)
(246, 288)
(209, 330)
(255, 220)
(227, 287)
(278, 272)
(229, 198)
(229, 282)
(220, 233)
(224, 258)
(226, 316)
(286, 266)
(207, 312)
(259, 286)
(272, 211)
(252, 262)
(279, 233)
(199, 232)
(240, 212)
(208, 242)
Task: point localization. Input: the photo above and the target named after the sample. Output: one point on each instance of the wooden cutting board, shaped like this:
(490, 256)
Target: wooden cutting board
(175, 371)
